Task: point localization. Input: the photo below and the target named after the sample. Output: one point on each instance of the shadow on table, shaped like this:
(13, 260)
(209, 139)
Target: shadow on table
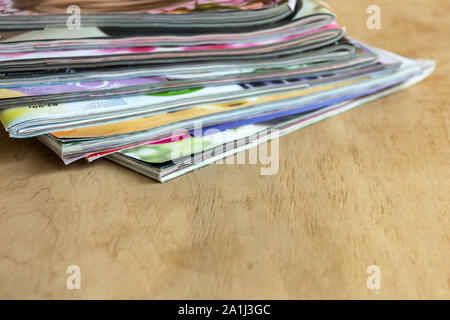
(36, 157)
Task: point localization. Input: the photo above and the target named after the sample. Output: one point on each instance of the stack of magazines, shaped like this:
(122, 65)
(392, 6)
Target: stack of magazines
(167, 87)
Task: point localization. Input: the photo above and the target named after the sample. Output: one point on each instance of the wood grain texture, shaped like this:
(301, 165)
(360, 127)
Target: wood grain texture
(370, 186)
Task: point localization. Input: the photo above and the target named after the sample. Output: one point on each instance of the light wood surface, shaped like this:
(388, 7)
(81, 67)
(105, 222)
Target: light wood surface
(369, 187)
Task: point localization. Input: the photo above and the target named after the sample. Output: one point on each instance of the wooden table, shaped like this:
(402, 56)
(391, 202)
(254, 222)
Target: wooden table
(369, 187)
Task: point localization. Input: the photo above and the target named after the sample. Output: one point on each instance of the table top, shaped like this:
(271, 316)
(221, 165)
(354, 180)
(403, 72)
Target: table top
(368, 187)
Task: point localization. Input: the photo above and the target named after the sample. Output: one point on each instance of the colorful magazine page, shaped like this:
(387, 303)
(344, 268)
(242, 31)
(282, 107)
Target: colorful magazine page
(274, 116)
(146, 123)
(106, 84)
(164, 172)
(210, 49)
(72, 147)
(24, 14)
(45, 118)
(13, 97)
(186, 69)
(172, 138)
(20, 116)
(94, 38)
(158, 153)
